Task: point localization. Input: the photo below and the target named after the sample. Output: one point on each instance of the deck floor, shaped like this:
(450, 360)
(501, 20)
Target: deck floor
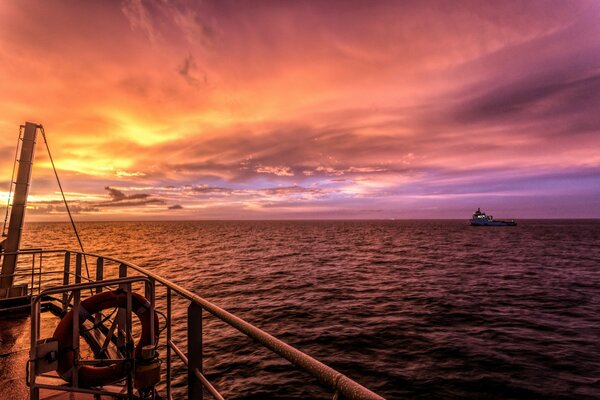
(14, 352)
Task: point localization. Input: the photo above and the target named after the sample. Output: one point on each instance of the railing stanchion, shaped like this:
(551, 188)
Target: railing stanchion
(149, 291)
(67, 271)
(129, 339)
(40, 275)
(194, 338)
(78, 258)
(99, 272)
(121, 314)
(76, 298)
(32, 272)
(99, 277)
(34, 392)
(168, 322)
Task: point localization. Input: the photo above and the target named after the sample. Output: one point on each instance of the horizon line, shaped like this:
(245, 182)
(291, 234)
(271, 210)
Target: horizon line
(310, 219)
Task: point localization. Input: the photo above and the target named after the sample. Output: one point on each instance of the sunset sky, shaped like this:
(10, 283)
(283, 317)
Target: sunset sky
(305, 109)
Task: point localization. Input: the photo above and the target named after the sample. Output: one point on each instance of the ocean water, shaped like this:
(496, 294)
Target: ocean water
(410, 309)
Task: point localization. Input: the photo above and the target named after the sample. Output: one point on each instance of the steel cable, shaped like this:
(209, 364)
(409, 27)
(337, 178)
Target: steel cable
(87, 271)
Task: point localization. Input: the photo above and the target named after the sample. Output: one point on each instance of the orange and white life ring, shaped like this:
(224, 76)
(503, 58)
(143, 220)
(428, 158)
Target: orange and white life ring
(97, 376)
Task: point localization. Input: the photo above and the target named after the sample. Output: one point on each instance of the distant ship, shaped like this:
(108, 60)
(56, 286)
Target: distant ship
(481, 219)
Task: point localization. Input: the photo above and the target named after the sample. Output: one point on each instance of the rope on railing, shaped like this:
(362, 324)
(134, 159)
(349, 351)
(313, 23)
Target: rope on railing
(336, 394)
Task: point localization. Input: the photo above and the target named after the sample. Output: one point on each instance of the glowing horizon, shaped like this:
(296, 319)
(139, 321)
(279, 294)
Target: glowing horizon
(284, 110)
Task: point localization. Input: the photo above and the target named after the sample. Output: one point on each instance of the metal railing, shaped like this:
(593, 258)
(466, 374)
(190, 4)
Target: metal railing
(341, 385)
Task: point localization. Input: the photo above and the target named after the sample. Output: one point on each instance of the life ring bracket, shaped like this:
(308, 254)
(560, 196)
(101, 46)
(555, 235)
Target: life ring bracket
(114, 370)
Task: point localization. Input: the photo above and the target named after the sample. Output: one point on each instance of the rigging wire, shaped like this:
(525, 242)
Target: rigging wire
(12, 180)
(87, 271)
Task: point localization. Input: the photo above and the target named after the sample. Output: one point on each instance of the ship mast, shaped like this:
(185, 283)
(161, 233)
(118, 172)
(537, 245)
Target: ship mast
(17, 215)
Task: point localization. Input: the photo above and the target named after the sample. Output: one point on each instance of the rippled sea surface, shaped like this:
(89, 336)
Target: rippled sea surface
(410, 309)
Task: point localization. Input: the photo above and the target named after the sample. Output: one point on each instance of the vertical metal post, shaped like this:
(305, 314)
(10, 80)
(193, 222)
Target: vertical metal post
(194, 337)
(99, 277)
(76, 298)
(121, 314)
(78, 268)
(66, 272)
(34, 392)
(129, 336)
(123, 273)
(32, 272)
(99, 272)
(40, 275)
(150, 295)
(168, 322)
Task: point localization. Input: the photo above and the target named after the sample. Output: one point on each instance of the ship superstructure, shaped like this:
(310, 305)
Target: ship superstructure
(480, 218)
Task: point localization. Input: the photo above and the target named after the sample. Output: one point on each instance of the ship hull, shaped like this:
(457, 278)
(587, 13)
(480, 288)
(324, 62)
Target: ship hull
(493, 223)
